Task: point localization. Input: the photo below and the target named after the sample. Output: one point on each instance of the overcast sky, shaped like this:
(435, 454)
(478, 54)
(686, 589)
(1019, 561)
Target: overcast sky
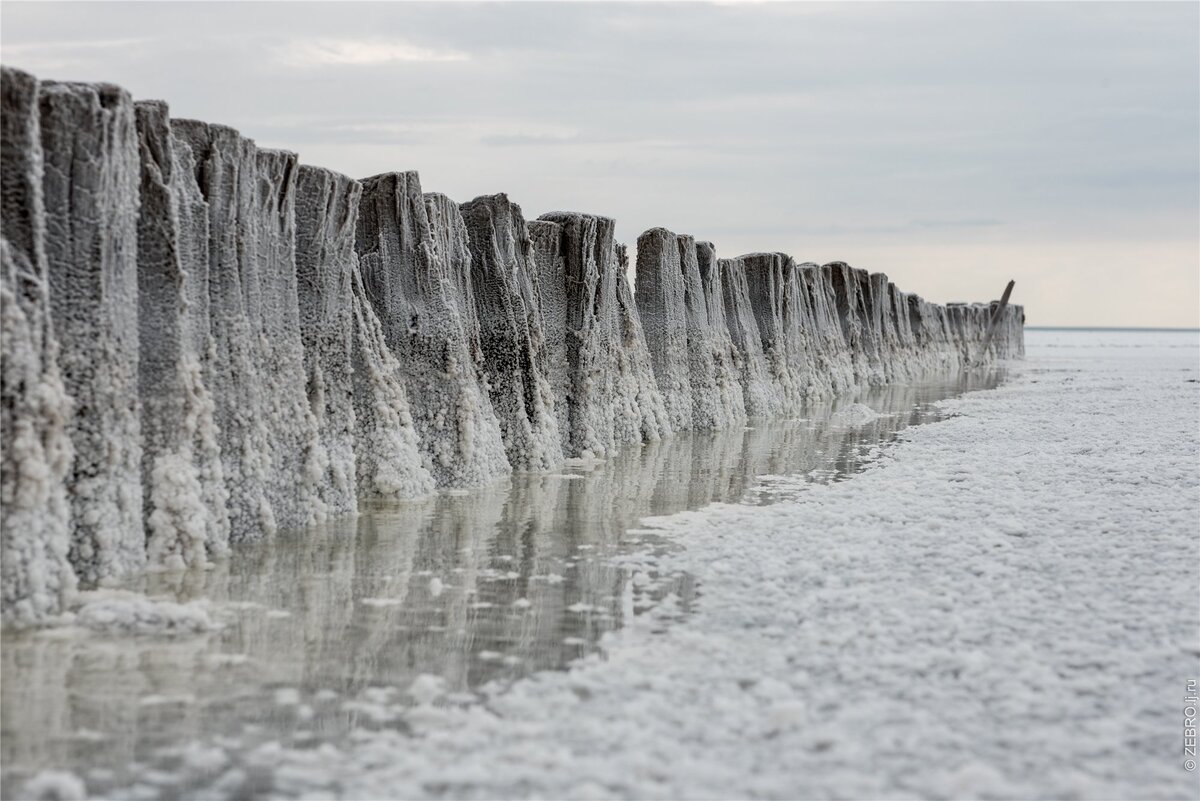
(950, 146)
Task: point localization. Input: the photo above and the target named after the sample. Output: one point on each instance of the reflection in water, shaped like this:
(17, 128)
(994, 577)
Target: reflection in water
(324, 624)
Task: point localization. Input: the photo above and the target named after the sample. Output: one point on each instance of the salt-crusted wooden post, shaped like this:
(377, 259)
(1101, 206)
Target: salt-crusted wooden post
(999, 313)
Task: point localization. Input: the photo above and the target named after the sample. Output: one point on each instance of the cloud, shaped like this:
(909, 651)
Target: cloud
(54, 56)
(307, 53)
(760, 127)
(963, 223)
(510, 139)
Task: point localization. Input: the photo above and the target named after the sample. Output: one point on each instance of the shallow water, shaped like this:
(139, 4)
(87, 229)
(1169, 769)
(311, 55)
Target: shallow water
(322, 624)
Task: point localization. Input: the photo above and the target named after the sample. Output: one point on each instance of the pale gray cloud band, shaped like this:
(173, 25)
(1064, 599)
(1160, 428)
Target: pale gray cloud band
(952, 146)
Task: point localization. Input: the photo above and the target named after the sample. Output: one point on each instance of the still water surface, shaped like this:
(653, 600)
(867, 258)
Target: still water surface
(472, 587)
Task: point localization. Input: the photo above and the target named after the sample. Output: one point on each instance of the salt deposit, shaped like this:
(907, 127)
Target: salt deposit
(35, 410)
(512, 333)
(415, 266)
(326, 212)
(611, 396)
(185, 494)
(90, 193)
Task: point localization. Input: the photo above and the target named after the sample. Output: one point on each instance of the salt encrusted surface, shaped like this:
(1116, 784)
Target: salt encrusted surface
(899, 311)
(326, 210)
(802, 331)
(640, 414)
(612, 399)
(898, 367)
(854, 314)
(35, 450)
(874, 324)
(584, 245)
(834, 359)
(659, 291)
(193, 241)
(547, 271)
(184, 484)
(955, 321)
(90, 179)
(832, 633)
(225, 173)
(769, 282)
(871, 328)
(931, 332)
(512, 337)
(921, 350)
(728, 403)
(1010, 337)
(682, 313)
(970, 322)
(761, 392)
(388, 462)
(299, 462)
(254, 368)
(415, 267)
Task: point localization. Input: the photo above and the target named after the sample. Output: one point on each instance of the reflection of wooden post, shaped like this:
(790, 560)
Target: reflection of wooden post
(987, 338)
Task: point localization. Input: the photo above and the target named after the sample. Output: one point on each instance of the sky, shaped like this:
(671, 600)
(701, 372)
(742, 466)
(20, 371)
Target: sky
(951, 146)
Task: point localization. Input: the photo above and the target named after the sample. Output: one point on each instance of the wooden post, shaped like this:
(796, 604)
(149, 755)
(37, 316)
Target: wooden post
(987, 338)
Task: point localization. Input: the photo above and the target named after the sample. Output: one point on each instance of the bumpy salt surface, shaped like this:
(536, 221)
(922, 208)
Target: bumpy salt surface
(761, 394)
(512, 332)
(546, 269)
(55, 785)
(833, 360)
(131, 612)
(185, 496)
(640, 415)
(855, 414)
(609, 392)
(37, 579)
(326, 213)
(298, 461)
(854, 314)
(415, 264)
(388, 461)
(366, 605)
(679, 298)
(90, 178)
(767, 281)
(223, 174)
(661, 306)
(710, 343)
(1012, 635)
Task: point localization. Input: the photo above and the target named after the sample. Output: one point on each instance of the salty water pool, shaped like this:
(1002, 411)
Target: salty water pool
(322, 628)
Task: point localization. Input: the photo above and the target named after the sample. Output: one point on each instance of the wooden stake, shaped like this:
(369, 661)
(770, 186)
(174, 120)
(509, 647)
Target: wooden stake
(987, 338)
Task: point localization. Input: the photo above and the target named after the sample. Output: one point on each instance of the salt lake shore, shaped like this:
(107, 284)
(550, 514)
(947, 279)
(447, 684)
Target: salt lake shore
(1011, 615)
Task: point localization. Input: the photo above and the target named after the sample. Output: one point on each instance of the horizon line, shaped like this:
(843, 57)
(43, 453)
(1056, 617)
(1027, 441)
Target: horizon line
(1195, 330)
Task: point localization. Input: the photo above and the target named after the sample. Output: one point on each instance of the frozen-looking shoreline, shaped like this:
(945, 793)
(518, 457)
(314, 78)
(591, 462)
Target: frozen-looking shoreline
(206, 341)
(298, 639)
(1013, 615)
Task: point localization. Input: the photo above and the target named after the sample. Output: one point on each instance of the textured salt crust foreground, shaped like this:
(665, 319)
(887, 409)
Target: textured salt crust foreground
(308, 641)
(206, 342)
(1025, 630)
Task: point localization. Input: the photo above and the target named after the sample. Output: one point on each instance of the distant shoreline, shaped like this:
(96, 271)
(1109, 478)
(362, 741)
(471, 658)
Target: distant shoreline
(1108, 328)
